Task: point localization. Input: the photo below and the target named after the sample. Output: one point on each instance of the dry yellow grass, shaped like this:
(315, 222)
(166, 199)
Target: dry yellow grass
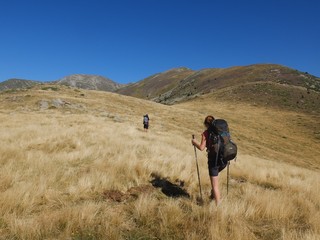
(293, 137)
(83, 171)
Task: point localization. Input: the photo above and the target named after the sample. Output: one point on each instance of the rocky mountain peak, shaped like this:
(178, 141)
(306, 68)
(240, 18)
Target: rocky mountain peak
(91, 82)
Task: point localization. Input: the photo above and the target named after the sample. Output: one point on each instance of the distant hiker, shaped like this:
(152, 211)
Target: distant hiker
(213, 167)
(146, 122)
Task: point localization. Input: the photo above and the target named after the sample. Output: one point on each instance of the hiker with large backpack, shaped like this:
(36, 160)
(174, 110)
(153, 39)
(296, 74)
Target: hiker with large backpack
(146, 122)
(220, 148)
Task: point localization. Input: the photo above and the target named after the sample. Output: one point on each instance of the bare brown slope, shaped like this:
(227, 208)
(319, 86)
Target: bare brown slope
(157, 84)
(170, 87)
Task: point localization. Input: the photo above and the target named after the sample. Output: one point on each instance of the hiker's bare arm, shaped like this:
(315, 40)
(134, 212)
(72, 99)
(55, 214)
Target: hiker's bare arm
(200, 146)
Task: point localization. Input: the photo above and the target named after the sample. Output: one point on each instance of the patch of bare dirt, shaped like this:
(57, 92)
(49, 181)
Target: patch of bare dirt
(131, 193)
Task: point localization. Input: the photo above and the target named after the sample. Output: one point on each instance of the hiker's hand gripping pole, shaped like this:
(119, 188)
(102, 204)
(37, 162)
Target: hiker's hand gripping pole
(195, 153)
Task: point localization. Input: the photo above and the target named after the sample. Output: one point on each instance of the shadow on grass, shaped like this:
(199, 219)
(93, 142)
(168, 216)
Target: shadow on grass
(168, 188)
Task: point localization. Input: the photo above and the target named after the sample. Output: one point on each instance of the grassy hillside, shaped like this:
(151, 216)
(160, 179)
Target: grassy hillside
(77, 165)
(272, 95)
(182, 84)
(272, 131)
(157, 84)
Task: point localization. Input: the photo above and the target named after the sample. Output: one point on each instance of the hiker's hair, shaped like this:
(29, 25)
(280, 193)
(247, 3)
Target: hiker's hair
(208, 120)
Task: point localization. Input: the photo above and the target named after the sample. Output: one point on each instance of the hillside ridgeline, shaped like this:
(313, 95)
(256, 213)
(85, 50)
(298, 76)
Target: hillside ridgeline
(15, 83)
(181, 84)
(81, 81)
(90, 82)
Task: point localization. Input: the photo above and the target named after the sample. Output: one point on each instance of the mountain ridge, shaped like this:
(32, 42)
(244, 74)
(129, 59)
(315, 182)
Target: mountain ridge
(182, 83)
(82, 81)
(191, 83)
(15, 83)
(90, 82)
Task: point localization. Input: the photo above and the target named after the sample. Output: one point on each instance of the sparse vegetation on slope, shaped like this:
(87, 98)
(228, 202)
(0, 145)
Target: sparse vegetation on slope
(155, 86)
(271, 95)
(92, 82)
(84, 170)
(81, 81)
(14, 83)
(176, 86)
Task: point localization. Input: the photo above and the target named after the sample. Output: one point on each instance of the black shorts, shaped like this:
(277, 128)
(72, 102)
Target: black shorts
(213, 171)
(145, 125)
(213, 168)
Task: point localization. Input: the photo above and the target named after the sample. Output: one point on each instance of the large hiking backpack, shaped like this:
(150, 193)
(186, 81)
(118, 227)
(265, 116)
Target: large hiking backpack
(220, 142)
(145, 119)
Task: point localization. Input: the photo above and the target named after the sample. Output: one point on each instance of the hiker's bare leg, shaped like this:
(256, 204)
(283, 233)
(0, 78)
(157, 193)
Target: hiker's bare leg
(215, 188)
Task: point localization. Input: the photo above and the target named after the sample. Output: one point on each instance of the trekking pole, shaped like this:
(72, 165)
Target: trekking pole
(195, 153)
(228, 177)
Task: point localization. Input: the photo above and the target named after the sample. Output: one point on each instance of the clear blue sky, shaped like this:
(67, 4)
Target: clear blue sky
(128, 40)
